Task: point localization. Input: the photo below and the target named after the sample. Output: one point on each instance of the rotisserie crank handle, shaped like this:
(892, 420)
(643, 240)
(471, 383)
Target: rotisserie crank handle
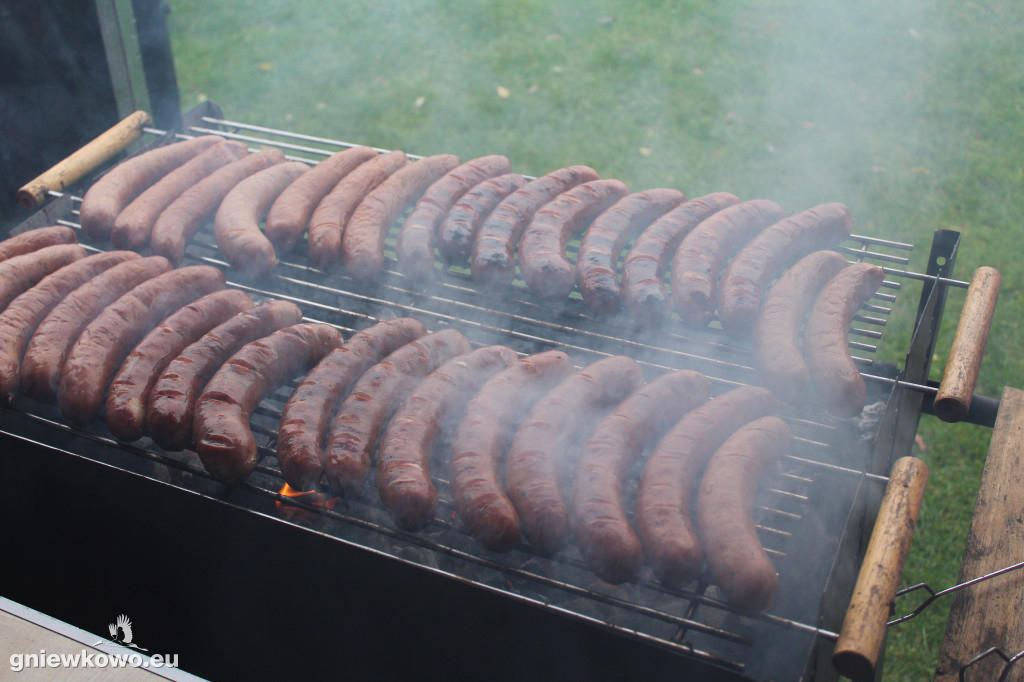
(954, 396)
(863, 632)
(75, 167)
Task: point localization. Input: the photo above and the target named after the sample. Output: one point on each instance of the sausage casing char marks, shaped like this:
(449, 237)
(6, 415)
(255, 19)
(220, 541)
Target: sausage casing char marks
(19, 320)
(35, 239)
(538, 458)
(602, 243)
(493, 262)
(597, 516)
(21, 273)
(237, 223)
(542, 259)
(671, 474)
(105, 341)
(307, 414)
(416, 239)
(403, 461)
(130, 388)
(290, 212)
(725, 522)
(362, 244)
(480, 441)
(355, 430)
(458, 230)
(834, 377)
(643, 270)
(49, 346)
(223, 436)
(749, 273)
(778, 357)
(108, 196)
(180, 221)
(172, 401)
(702, 254)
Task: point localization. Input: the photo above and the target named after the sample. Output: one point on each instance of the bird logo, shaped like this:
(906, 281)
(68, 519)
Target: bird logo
(121, 632)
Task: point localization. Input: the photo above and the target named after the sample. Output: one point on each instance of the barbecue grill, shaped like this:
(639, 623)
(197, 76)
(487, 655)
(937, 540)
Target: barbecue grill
(255, 580)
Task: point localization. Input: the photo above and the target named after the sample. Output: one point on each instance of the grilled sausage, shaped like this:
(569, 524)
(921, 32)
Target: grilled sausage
(130, 388)
(172, 401)
(493, 263)
(113, 191)
(542, 258)
(643, 270)
(415, 245)
(597, 517)
(49, 346)
(672, 472)
(362, 244)
(21, 318)
(403, 461)
(725, 523)
(834, 376)
(308, 412)
(602, 243)
(458, 229)
(702, 254)
(35, 239)
(537, 459)
(224, 439)
(355, 430)
(777, 355)
(21, 273)
(290, 212)
(180, 221)
(748, 274)
(328, 222)
(133, 226)
(237, 223)
(104, 343)
(480, 441)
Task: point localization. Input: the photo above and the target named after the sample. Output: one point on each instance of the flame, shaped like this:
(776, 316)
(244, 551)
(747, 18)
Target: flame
(312, 497)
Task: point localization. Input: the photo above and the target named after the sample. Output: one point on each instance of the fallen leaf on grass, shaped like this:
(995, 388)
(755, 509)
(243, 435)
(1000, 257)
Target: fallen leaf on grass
(503, 92)
(420, 101)
(919, 442)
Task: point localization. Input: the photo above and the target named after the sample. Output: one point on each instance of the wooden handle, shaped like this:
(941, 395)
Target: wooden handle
(76, 166)
(954, 396)
(860, 640)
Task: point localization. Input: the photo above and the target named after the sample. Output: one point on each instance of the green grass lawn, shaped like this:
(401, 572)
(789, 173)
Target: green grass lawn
(910, 112)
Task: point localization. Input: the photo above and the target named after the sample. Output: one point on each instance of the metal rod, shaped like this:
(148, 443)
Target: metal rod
(949, 590)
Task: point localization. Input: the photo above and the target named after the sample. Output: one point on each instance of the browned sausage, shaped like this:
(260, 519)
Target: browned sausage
(362, 244)
(777, 355)
(403, 461)
(542, 258)
(725, 522)
(415, 245)
(834, 376)
(21, 318)
(237, 223)
(134, 224)
(671, 475)
(596, 514)
(129, 389)
(197, 205)
(21, 273)
(35, 239)
(172, 401)
(493, 262)
(290, 212)
(331, 216)
(702, 254)
(458, 229)
(113, 191)
(308, 412)
(537, 459)
(602, 243)
(49, 346)
(780, 245)
(105, 341)
(643, 270)
(355, 430)
(224, 440)
(480, 441)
